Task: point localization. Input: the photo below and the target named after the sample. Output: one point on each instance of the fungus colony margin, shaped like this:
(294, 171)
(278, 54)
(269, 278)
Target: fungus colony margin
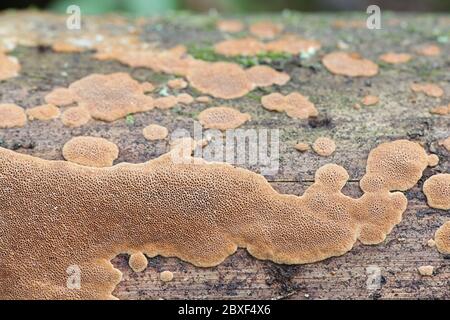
(200, 213)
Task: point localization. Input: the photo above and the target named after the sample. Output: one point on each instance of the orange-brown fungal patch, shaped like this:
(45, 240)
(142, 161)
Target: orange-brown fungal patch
(221, 80)
(302, 147)
(9, 67)
(165, 102)
(75, 116)
(44, 112)
(230, 26)
(445, 143)
(12, 116)
(349, 64)
(294, 104)
(155, 132)
(203, 99)
(433, 160)
(85, 216)
(265, 29)
(138, 262)
(264, 76)
(293, 45)
(324, 146)
(441, 110)
(442, 238)
(240, 47)
(166, 276)
(60, 97)
(370, 100)
(184, 98)
(430, 89)
(147, 87)
(429, 50)
(395, 58)
(437, 191)
(222, 118)
(177, 84)
(90, 151)
(426, 271)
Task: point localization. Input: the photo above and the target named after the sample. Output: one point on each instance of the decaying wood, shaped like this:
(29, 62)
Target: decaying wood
(400, 114)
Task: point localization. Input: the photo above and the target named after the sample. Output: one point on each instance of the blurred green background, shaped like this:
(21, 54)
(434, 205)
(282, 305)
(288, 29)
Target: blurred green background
(149, 7)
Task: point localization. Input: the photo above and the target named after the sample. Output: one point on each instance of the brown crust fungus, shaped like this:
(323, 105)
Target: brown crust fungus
(429, 50)
(370, 100)
(441, 110)
(239, 47)
(302, 147)
(324, 146)
(12, 116)
(430, 89)
(138, 262)
(445, 143)
(90, 151)
(9, 67)
(293, 44)
(426, 270)
(85, 216)
(221, 80)
(230, 26)
(60, 97)
(222, 118)
(294, 104)
(349, 64)
(433, 160)
(437, 191)
(166, 276)
(155, 132)
(442, 238)
(395, 58)
(44, 112)
(265, 29)
(264, 76)
(177, 83)
(75, 116)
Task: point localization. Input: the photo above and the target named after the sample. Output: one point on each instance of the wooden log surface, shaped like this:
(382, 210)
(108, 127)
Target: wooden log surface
(401, 114)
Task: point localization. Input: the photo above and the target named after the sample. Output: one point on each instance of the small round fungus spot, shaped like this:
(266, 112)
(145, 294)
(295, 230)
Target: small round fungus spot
(437, 191)
(221, 80)
(433, 160)
(302, 147)
(324, 146)
(445, 143)
(12, 116)
(9, 67)
(231, 26)
(292, 44)
(222, 118)
(442, 238)
(44, 112)
(264, 76)
(185, 98)
(138, 262)
(147, 87)
(90, 151)
(430, 89)
(60, 97)
(349, 64)
(166, 276)
(75, 116)
(155, 132)
(203, 99)
(294, 104)
(370, 100)
(441, 110)
(266, 29)
(429, 50)
(431, 243)
(395, 58)
(240, 47)
(177, 84)
(165, 102)
(426, 270)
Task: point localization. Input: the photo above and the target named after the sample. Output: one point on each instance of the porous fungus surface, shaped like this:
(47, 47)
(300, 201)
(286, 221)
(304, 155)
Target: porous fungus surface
(433, 160)
(426, 270)
(75, 116)
(90, 151)
(292, 44)
(370, 100)
(430, 89)
(200, 212)
(230, 25)
(138, 262)
(395, 58)
(44, 112)
(294, 104)
(437, 191)
(177, 84)
(12, 116)
(166, 276)
(222, 118)
(155, 132)
(324, 146)
(302, 147)
(442, 238)
(9, 67)
(221, 80)
(60, 97)
(349, 64)
(184, 98)
(265, 29)
(264, 76)
(240, 47)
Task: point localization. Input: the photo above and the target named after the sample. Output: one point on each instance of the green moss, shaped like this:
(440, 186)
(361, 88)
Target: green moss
(129, 120)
